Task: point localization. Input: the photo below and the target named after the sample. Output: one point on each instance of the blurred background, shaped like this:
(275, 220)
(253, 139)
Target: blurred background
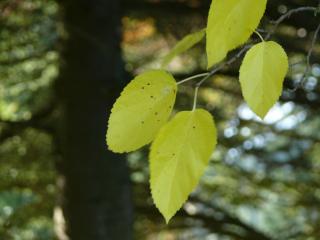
(62, 65)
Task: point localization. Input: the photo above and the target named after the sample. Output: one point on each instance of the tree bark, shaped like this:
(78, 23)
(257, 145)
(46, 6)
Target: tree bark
(96, 198)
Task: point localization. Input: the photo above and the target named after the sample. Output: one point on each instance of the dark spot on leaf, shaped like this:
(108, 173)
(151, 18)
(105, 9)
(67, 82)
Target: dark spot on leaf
(156, 113)
(194, 127)
(142, 122)
(148, 84)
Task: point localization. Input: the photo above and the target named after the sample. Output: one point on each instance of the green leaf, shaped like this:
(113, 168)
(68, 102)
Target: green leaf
(179, 156)
(186, 43)
(142, 109)
(262, 74)
(230, 24)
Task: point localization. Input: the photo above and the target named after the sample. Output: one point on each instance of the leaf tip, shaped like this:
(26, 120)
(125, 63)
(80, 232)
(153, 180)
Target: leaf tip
(262, 113)
(167, 219)
(262, 116)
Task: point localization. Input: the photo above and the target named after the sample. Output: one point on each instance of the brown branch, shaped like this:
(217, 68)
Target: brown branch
(288, 14)
(247, 46)
(308, 67)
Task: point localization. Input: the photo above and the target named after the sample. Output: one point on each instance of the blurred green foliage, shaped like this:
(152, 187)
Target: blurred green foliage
(28, 65)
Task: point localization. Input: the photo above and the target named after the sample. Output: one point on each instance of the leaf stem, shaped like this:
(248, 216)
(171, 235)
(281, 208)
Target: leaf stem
(196, 90)
(260, 36)
(192, 77)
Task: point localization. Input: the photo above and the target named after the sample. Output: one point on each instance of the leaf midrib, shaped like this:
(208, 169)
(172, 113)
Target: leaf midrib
(177, 157)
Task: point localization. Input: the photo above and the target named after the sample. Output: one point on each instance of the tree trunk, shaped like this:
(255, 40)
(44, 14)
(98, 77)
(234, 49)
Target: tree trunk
(96, 199)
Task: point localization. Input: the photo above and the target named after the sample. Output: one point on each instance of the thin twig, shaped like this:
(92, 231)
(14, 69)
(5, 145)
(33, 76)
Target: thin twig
(218, 68)
(249, 45)
(308, 67)
(225, 64)
(288, 15)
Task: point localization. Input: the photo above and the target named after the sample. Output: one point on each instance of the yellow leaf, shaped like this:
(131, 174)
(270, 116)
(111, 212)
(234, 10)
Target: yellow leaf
(186, 43)
(179, 155)
(262, 74)
(142, 109)
(230, 24)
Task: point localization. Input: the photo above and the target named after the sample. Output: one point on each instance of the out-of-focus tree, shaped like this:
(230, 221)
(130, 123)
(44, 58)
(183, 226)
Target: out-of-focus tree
(96, 197)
